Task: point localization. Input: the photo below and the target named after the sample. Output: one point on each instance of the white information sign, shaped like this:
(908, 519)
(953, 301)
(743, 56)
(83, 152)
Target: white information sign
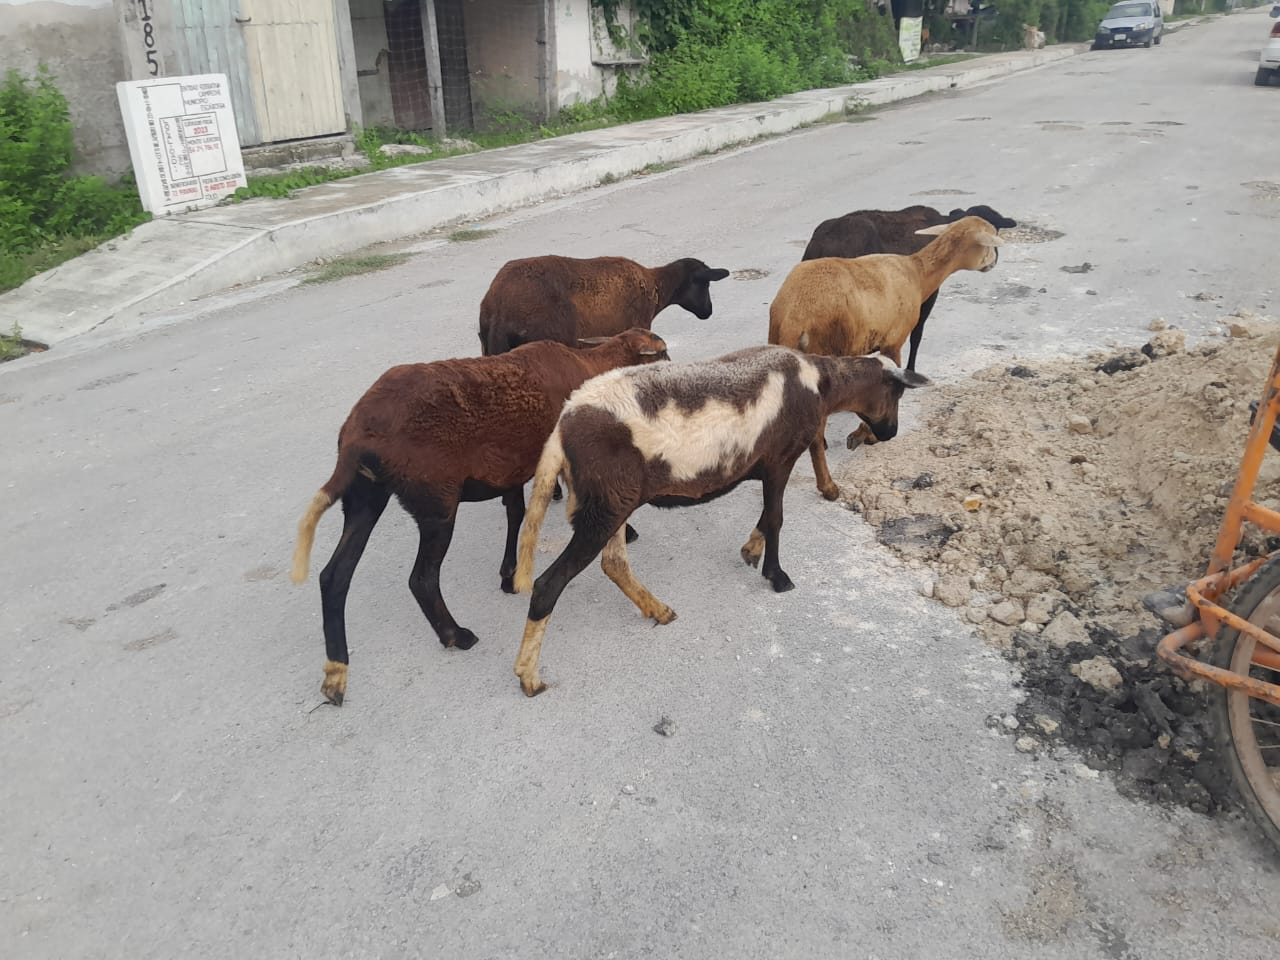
(182, 140)
(909, 34)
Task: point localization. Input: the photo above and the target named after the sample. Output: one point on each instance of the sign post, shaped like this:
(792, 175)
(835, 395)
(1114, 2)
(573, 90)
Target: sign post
(182, 141)
(909, 34)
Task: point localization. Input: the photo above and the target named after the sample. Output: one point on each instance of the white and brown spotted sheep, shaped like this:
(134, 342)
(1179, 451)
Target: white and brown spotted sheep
(675, 435)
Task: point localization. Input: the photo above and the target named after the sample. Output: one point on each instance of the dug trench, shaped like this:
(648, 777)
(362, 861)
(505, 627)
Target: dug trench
(1045, 500)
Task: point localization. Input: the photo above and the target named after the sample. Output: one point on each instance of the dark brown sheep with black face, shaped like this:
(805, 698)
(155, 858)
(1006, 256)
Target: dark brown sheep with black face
(676, 435)
(564, 298)
(437, 434)
(892, 231)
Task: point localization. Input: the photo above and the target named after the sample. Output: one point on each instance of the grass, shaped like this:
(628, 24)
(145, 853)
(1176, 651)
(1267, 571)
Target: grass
(463, 236)
(940, 61)
(12, 346)
(341, 267)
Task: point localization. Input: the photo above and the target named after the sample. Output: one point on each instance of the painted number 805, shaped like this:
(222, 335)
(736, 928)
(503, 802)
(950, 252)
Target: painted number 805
(149, 39)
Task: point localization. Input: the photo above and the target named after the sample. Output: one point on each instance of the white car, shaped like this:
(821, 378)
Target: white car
(1269, 61)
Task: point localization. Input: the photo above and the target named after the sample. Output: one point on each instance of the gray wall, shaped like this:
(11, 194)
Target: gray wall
(80, 42)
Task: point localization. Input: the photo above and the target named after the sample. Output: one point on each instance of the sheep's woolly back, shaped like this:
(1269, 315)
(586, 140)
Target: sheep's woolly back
(698, 417)
(307, 535)
(847, 307)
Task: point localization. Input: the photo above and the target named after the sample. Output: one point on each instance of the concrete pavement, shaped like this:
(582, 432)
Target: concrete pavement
(831, 789)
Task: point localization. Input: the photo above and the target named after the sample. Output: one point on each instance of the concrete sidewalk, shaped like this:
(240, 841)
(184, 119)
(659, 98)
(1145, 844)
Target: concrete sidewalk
(171, 260)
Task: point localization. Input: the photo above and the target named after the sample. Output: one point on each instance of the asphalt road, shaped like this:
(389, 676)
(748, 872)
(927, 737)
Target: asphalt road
(831, 788)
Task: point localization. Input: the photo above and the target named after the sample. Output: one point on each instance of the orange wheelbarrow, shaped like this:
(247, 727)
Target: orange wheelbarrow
(1245, 638)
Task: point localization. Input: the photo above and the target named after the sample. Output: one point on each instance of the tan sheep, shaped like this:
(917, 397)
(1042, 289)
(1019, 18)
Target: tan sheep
(851, 307)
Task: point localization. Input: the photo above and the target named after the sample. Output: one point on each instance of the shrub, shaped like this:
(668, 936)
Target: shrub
(708, 53)
(41, 206)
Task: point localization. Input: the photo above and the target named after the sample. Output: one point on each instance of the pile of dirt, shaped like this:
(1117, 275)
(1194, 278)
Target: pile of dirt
(1045, 500)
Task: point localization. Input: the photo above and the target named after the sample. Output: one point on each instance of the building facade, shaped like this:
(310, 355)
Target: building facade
(306, 69)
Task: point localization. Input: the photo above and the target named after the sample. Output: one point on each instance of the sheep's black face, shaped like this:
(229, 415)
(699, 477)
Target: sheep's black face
(695, 293)
(992, 217)
(884, 429)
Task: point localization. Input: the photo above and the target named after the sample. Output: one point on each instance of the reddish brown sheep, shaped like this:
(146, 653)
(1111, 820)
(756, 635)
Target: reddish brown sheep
(563, 298)
(675, 435)
(435, 434)
(864, 232)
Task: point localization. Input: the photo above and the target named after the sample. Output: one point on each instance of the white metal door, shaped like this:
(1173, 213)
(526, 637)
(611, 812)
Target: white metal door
(292, 49)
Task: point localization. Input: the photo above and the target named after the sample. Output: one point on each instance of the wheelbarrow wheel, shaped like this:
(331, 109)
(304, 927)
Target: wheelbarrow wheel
(1248, 730)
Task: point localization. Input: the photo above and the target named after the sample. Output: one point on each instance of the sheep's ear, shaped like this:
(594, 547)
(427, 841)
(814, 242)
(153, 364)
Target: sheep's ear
(989, 240)
(710, 274)
(592, 341)
(957, 214)
(934, 230)
(1006, 223)
(909, 378)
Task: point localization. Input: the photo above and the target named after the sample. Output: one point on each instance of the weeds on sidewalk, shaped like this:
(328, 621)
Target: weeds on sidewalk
(340, 267)
(463, 236)
(12, 346)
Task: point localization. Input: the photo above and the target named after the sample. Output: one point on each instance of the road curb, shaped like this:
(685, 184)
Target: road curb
(165, 263)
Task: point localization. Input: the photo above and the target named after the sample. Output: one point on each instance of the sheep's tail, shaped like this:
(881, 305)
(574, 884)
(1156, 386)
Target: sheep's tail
(343, 476)
(544, 480)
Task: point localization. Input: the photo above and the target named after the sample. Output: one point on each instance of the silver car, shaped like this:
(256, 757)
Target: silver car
(1130, 23)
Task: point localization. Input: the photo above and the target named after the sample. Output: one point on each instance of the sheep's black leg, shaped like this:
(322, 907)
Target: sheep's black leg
(513, 500)
(584, 546)
(926, 308)
(775, 485)
(434, 534)
(362, 505)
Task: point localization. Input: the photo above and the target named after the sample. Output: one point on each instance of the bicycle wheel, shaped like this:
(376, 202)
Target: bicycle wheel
(1247, 731)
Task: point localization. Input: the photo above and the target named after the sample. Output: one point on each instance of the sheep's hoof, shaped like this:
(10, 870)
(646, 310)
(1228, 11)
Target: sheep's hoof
(334, 687)
(753, 548)
(781, 582)
(853, 441)
(462, 638)
(508, 584)
(663, 615)
(830, 491)
(532, 686)
(556, 494)
(631, 534)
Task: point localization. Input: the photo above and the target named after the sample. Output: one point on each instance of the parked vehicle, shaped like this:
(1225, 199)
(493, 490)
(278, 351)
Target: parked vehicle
(1269, 61)
(1130, 23)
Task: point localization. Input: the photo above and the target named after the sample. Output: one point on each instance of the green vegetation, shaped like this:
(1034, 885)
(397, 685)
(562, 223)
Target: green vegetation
(12, 345)
(46, 215)
(463, 236)
(341, 267)
(940, 61)
(709, 53)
